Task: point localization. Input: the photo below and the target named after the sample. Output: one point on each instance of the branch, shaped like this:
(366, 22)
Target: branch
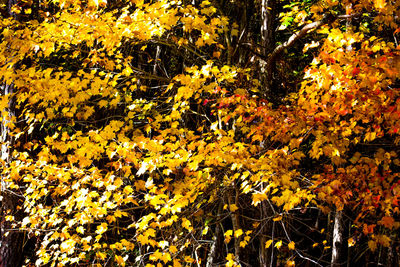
(296, 36)
(328, 18)
(293, 38)
(271, 58)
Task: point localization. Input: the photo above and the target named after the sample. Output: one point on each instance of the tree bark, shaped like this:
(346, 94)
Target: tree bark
(268, 10)
(233, 198)
(266, 255)
(216, 241)
(267, 25)
(338, 246)
(213, 250)
(11, 240)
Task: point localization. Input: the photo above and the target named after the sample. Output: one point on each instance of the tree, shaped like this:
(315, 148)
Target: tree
(11, 242)
(187, 133)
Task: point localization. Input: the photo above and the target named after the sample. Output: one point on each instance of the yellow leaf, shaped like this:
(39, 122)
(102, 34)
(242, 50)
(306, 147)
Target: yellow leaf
(177, 263)
(230, 260)
(216, 54)
(120, 260)
(384, 240)
(9, 218)
(372, 245)
(155, 256)
(235, 32)
(102, 103)
(291, 245)
(351, 242)
(228, 236)
(370, 136)
(238, 233)
(101, 255)
(80, 230)
(166, 257)
(118, 214)
(68, 246)
(98, 3)
(163, 244)
(257, 198)
(102, 228)
(189, 259)
(379, 4)
(233, 208)
(242, 244)
(268, 243)
(278, 244)
(173, 249)
(187, 224)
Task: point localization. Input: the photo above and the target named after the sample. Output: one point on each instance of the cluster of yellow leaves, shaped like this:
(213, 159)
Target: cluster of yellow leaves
(67, 190)
(116, 174)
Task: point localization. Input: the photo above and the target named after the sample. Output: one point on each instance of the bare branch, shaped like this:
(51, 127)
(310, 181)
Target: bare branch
(296, 36)
(328, 18)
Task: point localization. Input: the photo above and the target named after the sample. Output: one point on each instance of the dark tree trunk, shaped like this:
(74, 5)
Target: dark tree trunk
(266, 255)
(268, 14)
(268, 10)
(11, 240)
(11, 244)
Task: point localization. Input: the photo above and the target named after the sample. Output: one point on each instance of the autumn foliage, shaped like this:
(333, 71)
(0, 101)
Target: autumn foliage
(142, 133)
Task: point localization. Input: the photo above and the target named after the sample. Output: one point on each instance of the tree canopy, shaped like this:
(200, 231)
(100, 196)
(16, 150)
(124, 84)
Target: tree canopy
(201, 133)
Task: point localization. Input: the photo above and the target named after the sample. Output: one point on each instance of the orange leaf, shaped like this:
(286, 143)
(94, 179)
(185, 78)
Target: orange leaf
(387, 222)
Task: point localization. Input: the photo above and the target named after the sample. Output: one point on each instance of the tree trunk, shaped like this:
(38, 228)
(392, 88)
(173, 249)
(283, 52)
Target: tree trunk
(267, 25)
(213, 250)
(338, 246)
(268, 10)
(233, 198)
(11, 240)
(266, 255)
(11, 243)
